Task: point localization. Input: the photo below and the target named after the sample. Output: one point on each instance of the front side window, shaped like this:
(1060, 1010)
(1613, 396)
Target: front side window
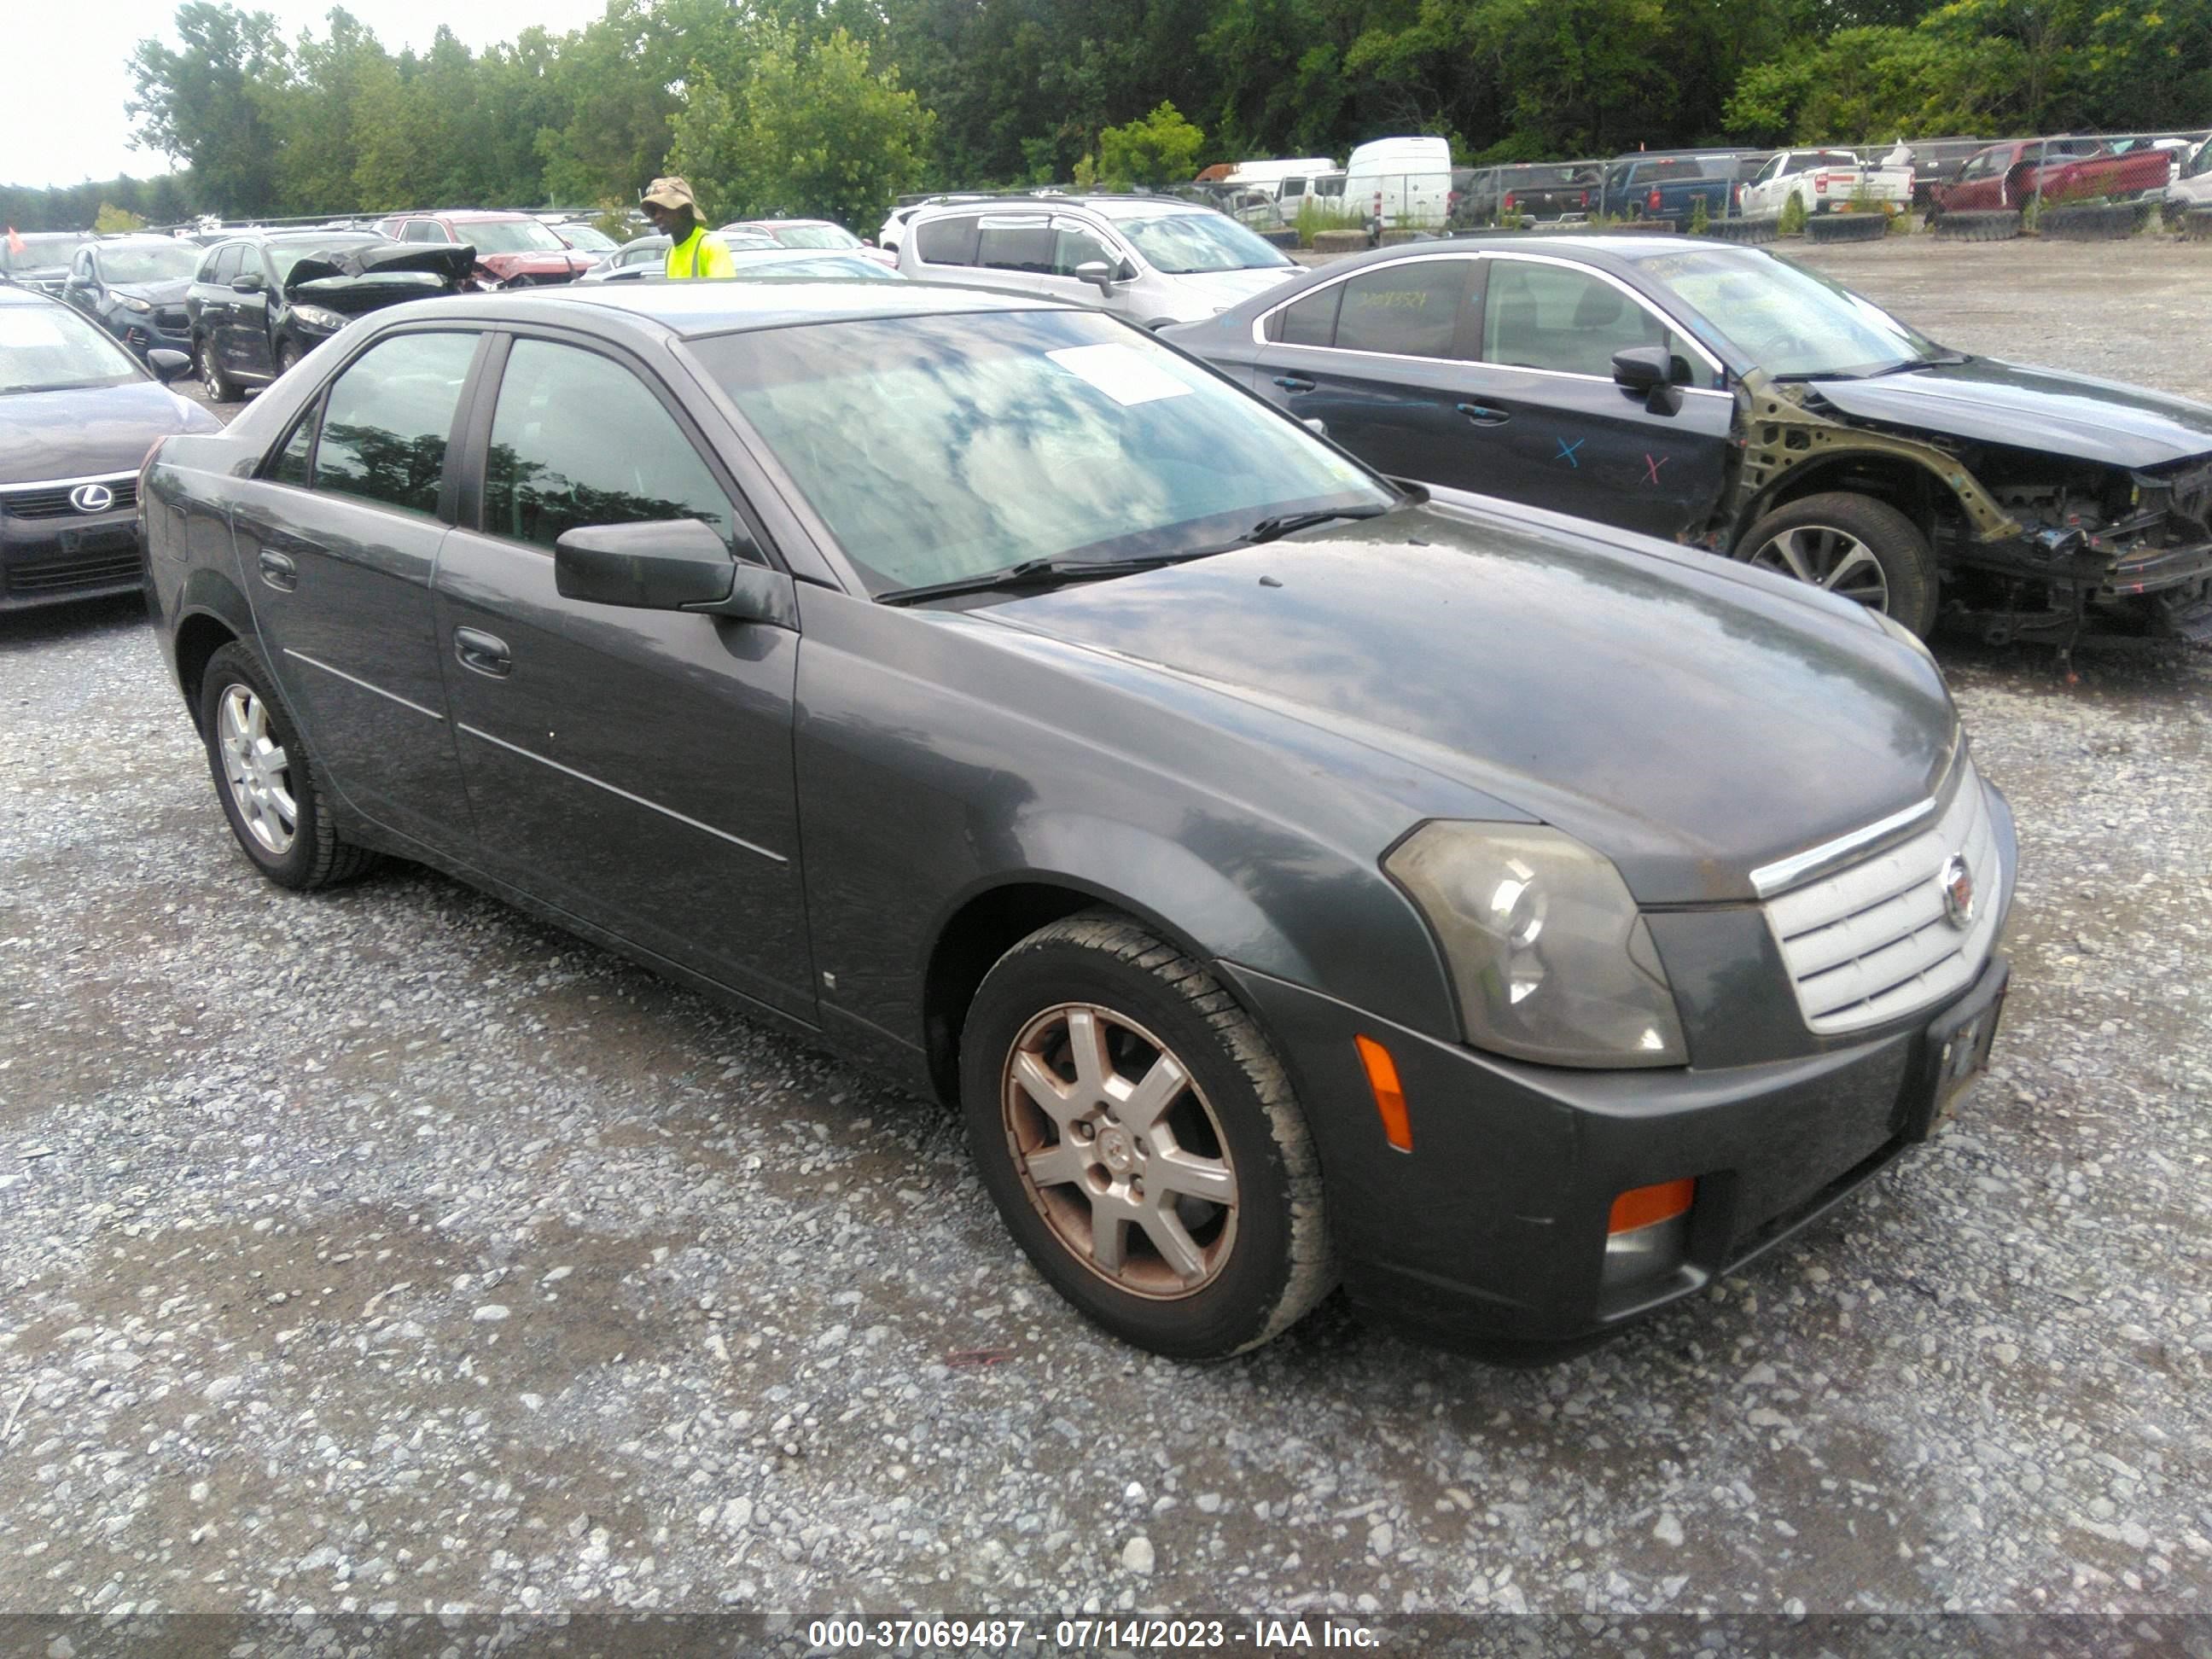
(1075, 244)
(421, 230)
(578, 440)
(939, 447)
(387, 420)
(1183, 244)
(294, 462)
(1553, 317)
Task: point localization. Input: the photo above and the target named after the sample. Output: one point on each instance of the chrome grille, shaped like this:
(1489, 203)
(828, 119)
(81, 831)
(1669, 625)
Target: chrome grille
(52, 500)
(1873, 942)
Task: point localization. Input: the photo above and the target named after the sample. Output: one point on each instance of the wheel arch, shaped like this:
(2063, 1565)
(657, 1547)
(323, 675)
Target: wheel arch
(1899, 480)
(211, 615)
(1192, 906)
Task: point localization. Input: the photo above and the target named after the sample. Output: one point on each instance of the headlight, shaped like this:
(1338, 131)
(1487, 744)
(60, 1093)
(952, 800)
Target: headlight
(131, 302)
(317, 317)
(1547, 951)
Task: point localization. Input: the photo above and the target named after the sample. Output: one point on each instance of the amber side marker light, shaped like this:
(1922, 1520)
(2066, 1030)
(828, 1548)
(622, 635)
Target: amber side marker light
(1647, 1206)
(1389, 1098)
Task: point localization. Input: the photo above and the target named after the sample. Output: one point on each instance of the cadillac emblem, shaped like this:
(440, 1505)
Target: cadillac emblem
(1957, 882)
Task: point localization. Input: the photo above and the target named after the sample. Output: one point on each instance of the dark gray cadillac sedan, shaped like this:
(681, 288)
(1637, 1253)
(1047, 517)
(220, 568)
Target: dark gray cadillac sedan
(1291, 876)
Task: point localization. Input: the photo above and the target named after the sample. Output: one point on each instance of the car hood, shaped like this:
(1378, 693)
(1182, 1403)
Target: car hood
(82, 433)
(354, 279)
(1209, 291)
(155, 294)
(1686, 716)
(2025, 408)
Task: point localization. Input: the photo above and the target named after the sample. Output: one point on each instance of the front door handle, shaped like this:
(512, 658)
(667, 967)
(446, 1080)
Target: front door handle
(279, 570)
(1483, 415)
(484, 652)
(1294, 383)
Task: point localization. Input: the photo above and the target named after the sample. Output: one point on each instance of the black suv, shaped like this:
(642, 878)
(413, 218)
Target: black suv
(263, 299)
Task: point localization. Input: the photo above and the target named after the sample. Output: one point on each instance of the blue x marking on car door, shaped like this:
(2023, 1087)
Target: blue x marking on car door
(1567, 451)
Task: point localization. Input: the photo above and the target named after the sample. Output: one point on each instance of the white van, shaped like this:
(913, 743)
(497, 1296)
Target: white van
(1400, 184)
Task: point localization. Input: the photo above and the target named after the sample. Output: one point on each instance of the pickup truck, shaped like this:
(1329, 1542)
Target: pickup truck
(1825, 181)
(2012, 174)
(1650, 185)
(1544, 192)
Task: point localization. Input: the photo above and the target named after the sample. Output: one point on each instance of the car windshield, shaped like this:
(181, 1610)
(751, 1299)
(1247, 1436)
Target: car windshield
(807, 235)
(50, 348)
(940, 448)
(1785, 319)
(1184, 243)
(507, 236)
(149, 262)
(37, 253)
(586, 239)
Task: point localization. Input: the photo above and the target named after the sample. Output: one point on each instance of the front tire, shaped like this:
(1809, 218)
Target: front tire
(288, 357)
(219, 387)
(1852, 545)
(264, 780)
(1142, 1142)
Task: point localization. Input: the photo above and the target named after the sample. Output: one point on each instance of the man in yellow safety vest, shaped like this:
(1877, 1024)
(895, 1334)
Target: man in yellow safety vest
(669, 204)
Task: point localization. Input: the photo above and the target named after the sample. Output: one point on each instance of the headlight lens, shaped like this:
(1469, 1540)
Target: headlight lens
(132, 302)
(1548, 952)
(318, 316)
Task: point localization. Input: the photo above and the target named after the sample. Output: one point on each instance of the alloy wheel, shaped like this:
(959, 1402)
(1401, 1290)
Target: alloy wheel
(210, 375)
(258, 770)
(1830, 558)
(1120, 1151)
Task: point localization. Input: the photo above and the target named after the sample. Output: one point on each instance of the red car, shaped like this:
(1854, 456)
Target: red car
(513, 249)
(2014, 174)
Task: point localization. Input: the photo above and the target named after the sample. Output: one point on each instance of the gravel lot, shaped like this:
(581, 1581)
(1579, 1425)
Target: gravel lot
(384, 1249)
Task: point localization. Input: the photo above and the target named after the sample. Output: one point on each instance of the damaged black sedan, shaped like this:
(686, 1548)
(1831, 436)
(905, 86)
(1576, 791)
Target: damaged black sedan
(1726, 398)
(263, 299)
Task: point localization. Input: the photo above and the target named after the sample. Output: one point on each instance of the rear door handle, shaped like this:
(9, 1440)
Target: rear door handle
(1294, 383)
(1483, 415)
(484, 652)
(279, 570)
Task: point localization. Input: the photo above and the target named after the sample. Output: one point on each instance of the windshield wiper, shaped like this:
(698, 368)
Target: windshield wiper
(1948, 359)
(1268, 530)
(1038, 574)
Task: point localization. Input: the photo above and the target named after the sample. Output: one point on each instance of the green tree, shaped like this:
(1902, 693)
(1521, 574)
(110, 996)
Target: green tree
(206, 101)
(1163, 148)
(111, 218)
(813, 130)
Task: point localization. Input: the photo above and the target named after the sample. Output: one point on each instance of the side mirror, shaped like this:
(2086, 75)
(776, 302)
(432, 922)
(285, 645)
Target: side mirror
(1097, 273)
(1641, 370)
(167, 364)
(247, 285)
(668, 564)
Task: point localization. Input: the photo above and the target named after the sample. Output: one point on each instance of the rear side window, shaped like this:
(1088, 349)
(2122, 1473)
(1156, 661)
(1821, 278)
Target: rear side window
(387, 420)
(1310, 322)
(294, 462)
(421, 230)
(1023, 245)
(578, 439)
(948, 242)
(1410, 310)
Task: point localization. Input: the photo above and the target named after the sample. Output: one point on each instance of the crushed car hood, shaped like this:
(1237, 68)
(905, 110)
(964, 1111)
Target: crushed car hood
(355, 279)
(82, 433)
(155, 294)
(1993, 402)
(1688, 717)
(508, 266)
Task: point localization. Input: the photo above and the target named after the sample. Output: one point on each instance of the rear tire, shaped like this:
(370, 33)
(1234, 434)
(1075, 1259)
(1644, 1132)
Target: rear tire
(219, 386)
(1853, 545)
(1098, 1061)
(264, 780)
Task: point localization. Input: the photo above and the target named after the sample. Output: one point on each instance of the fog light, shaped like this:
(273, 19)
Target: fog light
(1648, 1232)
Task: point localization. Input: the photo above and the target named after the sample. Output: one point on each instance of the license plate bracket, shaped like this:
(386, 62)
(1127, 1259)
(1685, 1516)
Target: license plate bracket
(1956, 1053)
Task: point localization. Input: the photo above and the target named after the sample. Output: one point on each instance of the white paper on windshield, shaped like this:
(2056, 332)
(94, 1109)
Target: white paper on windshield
(1121, 372)
(22, 327)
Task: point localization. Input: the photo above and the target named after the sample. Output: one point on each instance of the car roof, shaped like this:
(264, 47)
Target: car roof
(10, 295)
(692, 310)
(1112, 207)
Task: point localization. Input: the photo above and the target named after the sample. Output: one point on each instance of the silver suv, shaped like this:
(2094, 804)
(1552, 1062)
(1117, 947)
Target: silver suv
(1150, 259)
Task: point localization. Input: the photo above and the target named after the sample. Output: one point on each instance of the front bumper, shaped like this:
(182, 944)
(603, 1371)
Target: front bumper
(1491, 1233)
(53, 561)
(164, 328)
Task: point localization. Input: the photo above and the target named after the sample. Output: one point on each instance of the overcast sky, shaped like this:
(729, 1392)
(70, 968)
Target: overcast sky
(63, 89)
